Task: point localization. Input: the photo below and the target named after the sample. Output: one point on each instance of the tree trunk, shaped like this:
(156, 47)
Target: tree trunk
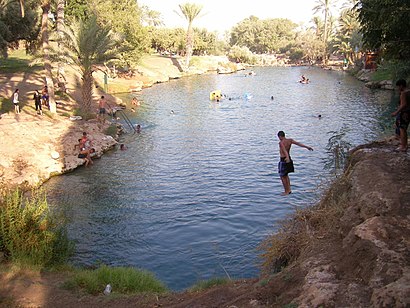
(189, 46)
(60, 33)
(325, 36)
(22, 8)
(46, 50)
(87, 92)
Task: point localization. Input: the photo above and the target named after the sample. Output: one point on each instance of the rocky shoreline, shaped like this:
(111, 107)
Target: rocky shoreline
(41, 147)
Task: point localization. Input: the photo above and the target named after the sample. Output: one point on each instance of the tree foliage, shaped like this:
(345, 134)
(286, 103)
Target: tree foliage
(14, 27)
(385, 25)
(190, 11)
(125, 18)
(85, 44)
(77, 9)
(263, 36)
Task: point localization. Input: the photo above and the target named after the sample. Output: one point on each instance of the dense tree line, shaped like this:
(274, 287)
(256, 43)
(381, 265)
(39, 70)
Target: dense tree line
(129, 31)
(385, 26)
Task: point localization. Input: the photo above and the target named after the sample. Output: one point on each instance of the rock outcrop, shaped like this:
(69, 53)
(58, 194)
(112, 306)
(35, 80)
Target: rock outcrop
(34, 148)
(363, 259)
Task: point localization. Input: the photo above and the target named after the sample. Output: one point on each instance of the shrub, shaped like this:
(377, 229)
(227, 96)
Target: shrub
(392, 70)
(125, 280)
(206, 284)
(111, 130)
(304, 227)
(241, 54)
(85, 116)
(29, 234)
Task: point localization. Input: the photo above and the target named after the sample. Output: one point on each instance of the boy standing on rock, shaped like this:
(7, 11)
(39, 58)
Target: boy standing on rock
(402, 114)
(285, 165)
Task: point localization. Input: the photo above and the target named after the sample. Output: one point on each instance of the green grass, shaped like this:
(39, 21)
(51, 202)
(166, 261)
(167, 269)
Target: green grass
(382, 74)
(29, 234)
(111, 130)
(206, 284)
(18, 62)
(85, 116)
(123, 280)
(6, 105)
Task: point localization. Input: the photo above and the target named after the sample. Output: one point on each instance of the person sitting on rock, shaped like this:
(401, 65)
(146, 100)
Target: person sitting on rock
(85, 154)
(80, 145)
(86, 141)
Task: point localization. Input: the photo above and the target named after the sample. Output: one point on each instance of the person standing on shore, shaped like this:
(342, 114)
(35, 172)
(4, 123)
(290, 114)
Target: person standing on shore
(102, 105)
(402, 114)
(16, 101)
(285, 165)
(37, 102)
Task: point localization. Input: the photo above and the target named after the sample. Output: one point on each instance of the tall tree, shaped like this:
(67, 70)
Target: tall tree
(125, 17)
(325, 6)
(151, 18)
(86, 44)
(385, 25)
(45, 7)
(190, 11)
(60, 32)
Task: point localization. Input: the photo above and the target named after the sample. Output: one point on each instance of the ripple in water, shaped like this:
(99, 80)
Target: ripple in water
(196, 192)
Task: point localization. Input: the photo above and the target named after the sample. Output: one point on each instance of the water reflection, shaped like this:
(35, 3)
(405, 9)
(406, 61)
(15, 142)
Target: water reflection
(197, 189)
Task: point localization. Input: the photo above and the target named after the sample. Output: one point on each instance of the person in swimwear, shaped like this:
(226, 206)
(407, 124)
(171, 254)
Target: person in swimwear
(102, 106)
(285, 165)
(85, 154)
(402, 114)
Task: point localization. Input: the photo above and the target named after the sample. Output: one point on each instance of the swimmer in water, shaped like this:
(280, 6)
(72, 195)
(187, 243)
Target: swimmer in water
(319, 116)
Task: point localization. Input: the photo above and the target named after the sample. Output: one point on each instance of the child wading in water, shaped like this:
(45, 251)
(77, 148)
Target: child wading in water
(285, 165)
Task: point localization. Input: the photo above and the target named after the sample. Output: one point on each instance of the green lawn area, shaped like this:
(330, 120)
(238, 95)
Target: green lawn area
(19, 62)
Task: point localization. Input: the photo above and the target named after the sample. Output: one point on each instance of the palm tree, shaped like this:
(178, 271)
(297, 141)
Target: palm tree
(45, 7)
(60, 24)
(189, 11)
(325, 6)
(85, 44)
(152, 18)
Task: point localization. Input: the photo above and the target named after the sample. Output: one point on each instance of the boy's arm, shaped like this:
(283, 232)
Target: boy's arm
(302, 145)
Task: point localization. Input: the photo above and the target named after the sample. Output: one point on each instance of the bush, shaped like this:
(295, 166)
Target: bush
(241, 54)
(392, 70)
(85, 116)
(124, 280)
(111, 130)
(29, 234)
(304, 227)
(206, 284)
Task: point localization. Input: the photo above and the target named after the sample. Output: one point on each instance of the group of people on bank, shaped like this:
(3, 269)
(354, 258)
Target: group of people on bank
(40, 99)
(85, 149)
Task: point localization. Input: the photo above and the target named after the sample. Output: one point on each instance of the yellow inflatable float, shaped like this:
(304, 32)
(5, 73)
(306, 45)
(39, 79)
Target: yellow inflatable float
(215, 95)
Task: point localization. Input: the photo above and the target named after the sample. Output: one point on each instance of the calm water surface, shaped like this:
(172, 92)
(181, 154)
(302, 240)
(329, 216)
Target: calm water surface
(197, 190)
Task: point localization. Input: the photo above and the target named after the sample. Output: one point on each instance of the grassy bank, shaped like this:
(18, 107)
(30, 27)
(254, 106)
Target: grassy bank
(304, 227)
(29, 234)
(19, 62)
(123, 280)
(32, 238)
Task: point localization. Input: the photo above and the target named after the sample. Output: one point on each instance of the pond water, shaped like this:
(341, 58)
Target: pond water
(197, 190)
